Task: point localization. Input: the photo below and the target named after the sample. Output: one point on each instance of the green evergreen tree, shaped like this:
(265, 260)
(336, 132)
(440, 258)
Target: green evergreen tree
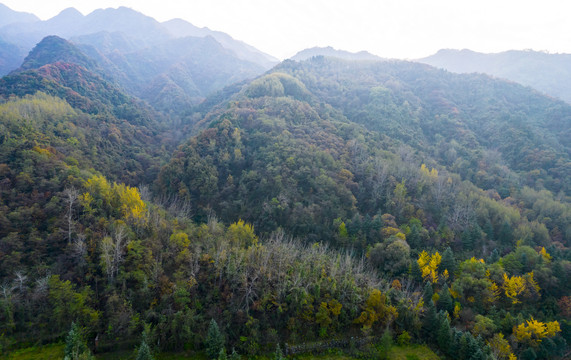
(430, 322)
(214, 340)
(489, 230)
(413, 238)
(278, 354)
(385, 345)
(494, 257)
(528, 354)
(455, 344)
(235, 355)
(478, 355)
(222, 354)
(445, 301)
(471, 237)
(144, 352)
(428, 293)
(444, 336)
(415, 272)
(75, 347)
(464, 346)
(448, 262)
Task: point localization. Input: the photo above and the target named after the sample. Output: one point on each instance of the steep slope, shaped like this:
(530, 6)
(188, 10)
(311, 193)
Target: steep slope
(54, 49)
(194, 66)
(473, 124)
(549, 73)
(181, 28)
(12, 52)
(57, 68)
(401, 162)
(337, 153)
(11, 56)
(331, 52)
(303, 152)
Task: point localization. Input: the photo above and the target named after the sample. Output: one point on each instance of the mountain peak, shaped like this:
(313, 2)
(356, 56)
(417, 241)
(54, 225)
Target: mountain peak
(331, 52)
(69, 14)
(54, 49)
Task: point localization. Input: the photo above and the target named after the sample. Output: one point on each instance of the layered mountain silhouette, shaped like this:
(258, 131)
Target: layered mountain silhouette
(331, 52)
(549, 73)
(173, 63)
(9, 16)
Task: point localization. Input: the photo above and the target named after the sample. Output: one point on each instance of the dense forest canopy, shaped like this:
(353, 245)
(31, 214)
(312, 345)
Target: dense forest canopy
(327, 203)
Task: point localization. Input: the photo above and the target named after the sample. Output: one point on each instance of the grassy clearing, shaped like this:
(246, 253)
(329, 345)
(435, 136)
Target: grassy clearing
(55, 351)
(412, 352)
(48, 352)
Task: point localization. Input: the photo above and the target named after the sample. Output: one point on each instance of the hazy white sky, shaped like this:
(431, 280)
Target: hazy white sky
(388, 28)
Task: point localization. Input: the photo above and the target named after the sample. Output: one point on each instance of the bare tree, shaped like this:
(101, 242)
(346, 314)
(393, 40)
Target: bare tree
(20, 280)
(42, 287)
(80, 248)
(70, 197)
(112, 251)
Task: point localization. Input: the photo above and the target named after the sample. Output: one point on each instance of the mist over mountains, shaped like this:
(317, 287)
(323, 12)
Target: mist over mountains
(548, 73)
(148, 59)
(168, 190)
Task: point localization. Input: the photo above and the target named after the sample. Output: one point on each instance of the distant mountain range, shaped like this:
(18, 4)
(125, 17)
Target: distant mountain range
(167, 64)
(9, 16)
(331, 52)
(549, 73)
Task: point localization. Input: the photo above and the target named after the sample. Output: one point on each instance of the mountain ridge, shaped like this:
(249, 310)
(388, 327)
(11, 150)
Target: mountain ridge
(548, 73)
(141, 30)
(9, 16)
(331, 52)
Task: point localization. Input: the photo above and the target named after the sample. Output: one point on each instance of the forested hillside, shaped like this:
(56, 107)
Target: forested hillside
(549, 73)
(328, 204)
(172, 65)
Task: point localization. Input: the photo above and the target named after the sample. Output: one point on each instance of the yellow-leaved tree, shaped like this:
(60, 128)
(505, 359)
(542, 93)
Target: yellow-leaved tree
(241, 234)
(544, 254)
(532, 331)
(376, 311)
(513, 287)
(516, 285)
(429, 265)
(127, 200)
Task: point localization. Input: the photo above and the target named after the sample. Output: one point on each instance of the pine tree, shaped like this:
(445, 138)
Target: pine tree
(415, 271)
(214, 340)
(430, 321)
(222, 354)
(444, 336)
(489, 230)
(278, 354)
(494, 257)
(413, 238)
(75, 347)
(448, 261)
(428, 293)
(528, 354)
(471, 237)
(386, 343)
(144, 352)
(445, 301)
(235, 355)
